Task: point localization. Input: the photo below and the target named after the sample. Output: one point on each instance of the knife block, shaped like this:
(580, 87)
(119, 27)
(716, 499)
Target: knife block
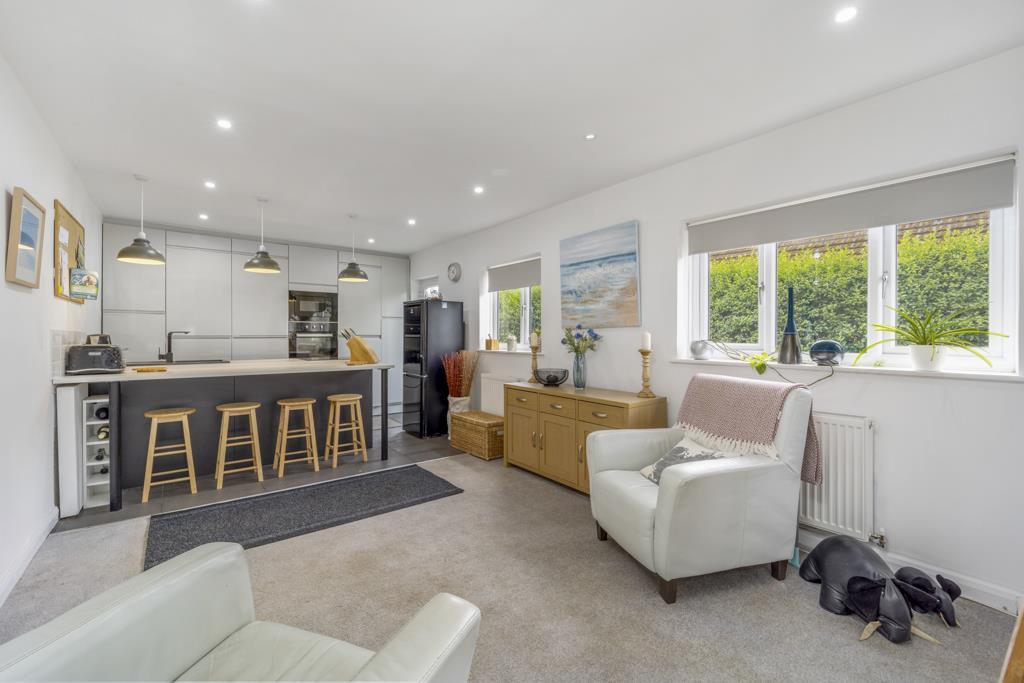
(360, 353)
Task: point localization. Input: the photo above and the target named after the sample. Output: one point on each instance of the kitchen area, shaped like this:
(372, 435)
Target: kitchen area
(205, 331)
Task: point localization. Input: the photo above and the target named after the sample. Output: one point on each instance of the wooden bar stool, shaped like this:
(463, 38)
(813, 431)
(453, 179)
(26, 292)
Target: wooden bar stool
(254, 463)
(354, 426)
(167, 416)
(284, 432)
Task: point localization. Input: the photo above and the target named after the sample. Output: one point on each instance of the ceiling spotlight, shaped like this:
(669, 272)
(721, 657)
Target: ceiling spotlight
(589, 136)
(478, 189)
(210, 184)
(846, 14)
(370, 240)
(224, 123)
(411, 221)
(203, 217)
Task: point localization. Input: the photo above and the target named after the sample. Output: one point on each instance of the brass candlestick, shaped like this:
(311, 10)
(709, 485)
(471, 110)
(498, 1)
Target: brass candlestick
(533, 364)
(646, 392)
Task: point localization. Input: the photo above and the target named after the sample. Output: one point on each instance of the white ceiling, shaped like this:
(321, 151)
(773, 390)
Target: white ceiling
(393, 108)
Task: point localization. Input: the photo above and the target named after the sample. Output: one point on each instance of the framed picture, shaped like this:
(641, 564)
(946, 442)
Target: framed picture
(600, 277)
(25, 240)
(68, 251)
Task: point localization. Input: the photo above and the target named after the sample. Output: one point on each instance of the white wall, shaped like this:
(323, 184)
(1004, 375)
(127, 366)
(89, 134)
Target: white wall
(949, 461)
(35, 325)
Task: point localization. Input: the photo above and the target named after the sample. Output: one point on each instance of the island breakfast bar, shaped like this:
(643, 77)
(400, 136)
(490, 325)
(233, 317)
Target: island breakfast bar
(201, 386)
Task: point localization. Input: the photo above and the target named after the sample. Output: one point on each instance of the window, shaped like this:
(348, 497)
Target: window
(516, 313)
(845, 282)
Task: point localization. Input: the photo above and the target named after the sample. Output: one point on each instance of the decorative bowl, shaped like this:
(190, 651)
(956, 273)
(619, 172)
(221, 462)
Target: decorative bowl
(827, 352)
(551, 377)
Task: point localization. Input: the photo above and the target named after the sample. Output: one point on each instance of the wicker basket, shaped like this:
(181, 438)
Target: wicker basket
(478, 433)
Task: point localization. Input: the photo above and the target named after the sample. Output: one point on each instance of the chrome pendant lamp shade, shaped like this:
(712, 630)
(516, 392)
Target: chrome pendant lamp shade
(261, 262)
(352, 272)
(140, 250)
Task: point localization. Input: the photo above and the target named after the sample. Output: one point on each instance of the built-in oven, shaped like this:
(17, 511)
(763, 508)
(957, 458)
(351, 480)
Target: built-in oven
(312, 324)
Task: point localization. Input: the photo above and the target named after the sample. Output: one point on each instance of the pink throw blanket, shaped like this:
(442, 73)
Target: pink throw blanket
(745, 413)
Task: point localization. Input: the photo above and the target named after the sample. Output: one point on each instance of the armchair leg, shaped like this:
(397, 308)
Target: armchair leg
(667, 588)
(779, 569)
(602, 535)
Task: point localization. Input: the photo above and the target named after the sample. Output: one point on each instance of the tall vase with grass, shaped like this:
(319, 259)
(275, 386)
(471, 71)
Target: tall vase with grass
(929, 335)
(459, 368)
(578, 341)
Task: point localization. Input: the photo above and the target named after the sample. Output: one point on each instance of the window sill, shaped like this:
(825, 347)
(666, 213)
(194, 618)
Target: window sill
(989, 376)
(517, 352)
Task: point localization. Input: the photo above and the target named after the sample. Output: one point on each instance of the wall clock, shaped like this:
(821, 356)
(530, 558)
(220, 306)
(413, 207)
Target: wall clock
(454, 272)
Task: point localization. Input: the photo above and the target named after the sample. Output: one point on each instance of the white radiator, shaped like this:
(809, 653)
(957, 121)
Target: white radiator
(844, 502)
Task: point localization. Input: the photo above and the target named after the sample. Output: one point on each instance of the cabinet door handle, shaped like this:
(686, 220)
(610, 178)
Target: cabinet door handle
(533, 439)
(542, 440)
(556, 406)
(520, 399)
(579, 453)
(600, 415)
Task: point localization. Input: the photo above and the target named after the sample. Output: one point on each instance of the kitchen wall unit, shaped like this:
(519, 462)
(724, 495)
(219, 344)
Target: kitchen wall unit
(130, 286)
(359, 303)
(312, 265)
(259, 301)
(199, 291)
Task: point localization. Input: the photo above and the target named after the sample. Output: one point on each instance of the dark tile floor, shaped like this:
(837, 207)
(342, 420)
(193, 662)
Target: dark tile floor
(403, 449)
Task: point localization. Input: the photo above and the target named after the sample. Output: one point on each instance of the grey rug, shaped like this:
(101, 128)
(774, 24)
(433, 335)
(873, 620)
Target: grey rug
(279, 515)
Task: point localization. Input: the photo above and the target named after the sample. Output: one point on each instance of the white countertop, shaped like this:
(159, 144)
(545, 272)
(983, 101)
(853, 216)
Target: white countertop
(231, 369)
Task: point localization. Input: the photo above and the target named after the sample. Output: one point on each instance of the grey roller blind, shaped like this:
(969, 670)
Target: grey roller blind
(513, 275)
(965, 189)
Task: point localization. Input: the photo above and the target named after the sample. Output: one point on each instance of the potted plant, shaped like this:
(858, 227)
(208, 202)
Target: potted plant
(459, 368)
(578, 341)
(929, 335)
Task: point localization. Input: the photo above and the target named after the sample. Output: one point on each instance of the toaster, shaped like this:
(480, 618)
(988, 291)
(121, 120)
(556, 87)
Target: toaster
(93, 359)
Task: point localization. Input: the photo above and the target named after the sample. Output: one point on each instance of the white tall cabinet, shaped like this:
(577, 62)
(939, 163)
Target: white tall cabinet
(133, 295)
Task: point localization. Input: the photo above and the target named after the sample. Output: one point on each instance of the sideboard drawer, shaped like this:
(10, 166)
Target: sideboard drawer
(601, 414)
(557, 406)
(521, 399)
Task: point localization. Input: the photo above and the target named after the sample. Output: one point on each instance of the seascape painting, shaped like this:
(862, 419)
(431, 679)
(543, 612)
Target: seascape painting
(600, 277)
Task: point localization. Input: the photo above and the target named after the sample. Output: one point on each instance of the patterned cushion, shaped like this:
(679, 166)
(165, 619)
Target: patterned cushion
(687, 450)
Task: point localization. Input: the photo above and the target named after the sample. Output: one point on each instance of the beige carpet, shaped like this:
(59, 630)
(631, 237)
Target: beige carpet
(557, 604)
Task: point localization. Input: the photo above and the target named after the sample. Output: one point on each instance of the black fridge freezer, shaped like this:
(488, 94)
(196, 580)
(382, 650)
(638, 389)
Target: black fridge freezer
(432, 329)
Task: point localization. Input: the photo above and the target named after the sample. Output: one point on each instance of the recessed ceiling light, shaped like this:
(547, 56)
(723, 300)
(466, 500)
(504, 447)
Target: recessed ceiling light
(370, 240)
(589, 136)
(203, 217)
(478, 189)
(411, 221)
(224, 123)
(210, 184)
(846, 14)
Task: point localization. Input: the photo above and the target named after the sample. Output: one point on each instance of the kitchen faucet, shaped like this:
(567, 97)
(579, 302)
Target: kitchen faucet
(169, 356)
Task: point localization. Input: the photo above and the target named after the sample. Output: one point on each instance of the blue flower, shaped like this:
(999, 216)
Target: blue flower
(592, 335)
(577, 334)
(579, 326)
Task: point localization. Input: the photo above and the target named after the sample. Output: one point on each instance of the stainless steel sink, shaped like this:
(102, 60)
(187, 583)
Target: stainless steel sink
(177, 362)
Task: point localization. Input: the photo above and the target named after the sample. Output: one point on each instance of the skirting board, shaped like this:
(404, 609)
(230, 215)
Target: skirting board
(9, 579)
(997, 597)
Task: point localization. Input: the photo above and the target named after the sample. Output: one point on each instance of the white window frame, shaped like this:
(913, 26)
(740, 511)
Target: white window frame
(523, 338)
(882, 293)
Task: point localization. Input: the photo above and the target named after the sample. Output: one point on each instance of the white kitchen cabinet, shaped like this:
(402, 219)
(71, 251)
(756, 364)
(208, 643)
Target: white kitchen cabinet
(392, 339)
(312, 265)
(131, 286)
(259, 348)
(199, 291)
(140, 335)
(259, 301)
(198, 348)
(394, 285)
(248, 247)
(198, 240)
(359, 303)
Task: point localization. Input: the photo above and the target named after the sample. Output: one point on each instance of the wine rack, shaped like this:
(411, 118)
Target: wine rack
(96, 450)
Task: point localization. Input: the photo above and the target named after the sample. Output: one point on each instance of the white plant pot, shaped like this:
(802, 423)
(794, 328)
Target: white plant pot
(456, 404)
(925, 357)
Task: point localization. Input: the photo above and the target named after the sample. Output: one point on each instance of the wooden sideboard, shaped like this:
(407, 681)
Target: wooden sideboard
(546, 428)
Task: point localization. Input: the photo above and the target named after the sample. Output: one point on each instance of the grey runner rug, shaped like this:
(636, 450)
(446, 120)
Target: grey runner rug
(282, 514)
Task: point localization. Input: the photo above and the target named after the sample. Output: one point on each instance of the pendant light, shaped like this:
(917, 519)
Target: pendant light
(352, 272)
(261, 262)
(140, 250)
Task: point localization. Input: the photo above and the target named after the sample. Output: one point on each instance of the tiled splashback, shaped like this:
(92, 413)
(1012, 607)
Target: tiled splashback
(60, 340)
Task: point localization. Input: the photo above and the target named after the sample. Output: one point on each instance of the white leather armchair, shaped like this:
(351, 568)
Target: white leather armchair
(705, 516)
(192, 619)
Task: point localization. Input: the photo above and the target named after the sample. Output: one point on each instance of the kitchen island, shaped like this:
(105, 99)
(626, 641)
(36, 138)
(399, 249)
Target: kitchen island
(201, 386)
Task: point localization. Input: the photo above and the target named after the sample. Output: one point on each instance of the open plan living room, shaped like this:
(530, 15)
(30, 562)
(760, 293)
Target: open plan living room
(476, 340)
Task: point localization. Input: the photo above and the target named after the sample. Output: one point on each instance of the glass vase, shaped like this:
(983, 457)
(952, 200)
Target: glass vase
(579, 371)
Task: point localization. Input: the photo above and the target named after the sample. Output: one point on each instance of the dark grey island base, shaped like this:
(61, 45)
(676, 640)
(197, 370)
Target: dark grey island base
(130, 428)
